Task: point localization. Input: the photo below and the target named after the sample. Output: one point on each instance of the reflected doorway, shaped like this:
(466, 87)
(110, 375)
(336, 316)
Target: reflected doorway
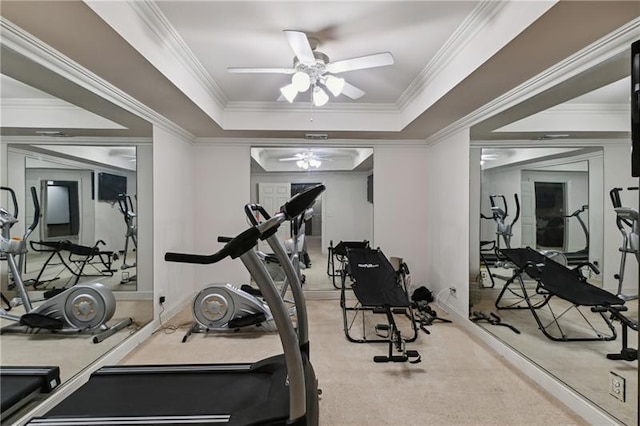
(550, 212)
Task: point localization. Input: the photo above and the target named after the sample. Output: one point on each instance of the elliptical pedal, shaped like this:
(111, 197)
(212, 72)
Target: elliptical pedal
(36, 320)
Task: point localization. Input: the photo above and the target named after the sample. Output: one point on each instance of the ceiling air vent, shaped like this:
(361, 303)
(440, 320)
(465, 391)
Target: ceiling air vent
(316, 136)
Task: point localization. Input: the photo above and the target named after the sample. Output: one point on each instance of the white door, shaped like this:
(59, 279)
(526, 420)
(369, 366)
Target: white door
(271, 196)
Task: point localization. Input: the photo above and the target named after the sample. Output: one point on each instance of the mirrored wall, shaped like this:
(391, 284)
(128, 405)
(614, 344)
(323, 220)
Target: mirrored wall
(344, 212)
(81, 170)
(541, 177)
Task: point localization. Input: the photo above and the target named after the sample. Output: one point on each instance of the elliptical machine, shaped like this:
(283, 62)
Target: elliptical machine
(490, 250)
(224, 307)
(126, 208)
(81, 308)
(627, 222)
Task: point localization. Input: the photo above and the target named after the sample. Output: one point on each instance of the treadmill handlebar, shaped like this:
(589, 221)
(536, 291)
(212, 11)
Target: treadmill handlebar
(301, 201)
(234, 248)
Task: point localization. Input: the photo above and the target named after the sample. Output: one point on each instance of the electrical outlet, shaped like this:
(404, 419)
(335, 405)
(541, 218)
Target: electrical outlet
(452, 291)
(617, 386)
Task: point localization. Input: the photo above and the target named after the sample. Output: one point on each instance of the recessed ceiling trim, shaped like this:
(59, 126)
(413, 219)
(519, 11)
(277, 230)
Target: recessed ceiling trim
(160, 25)
(151, 45)
(506, 23)
(469, 28)
(602, 50)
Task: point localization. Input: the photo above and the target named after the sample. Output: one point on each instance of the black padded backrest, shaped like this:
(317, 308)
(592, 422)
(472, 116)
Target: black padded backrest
(375, 280)
(560, 280)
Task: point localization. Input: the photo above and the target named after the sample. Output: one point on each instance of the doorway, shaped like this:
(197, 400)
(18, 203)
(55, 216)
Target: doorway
(61, 211)
(550, 212)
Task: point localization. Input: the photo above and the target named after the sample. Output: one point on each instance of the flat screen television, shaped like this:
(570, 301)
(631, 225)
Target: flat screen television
(109, 186)
(635, 109)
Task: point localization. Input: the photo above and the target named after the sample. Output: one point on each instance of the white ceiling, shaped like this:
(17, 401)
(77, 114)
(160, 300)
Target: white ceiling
(451, 58)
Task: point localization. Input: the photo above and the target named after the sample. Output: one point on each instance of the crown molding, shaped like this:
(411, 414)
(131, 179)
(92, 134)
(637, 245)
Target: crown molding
(571, 108)
(331, 143)
(473, 24)
(76, 140)
(602, 50)
(157, 22)
(25, 44)
(549, 143)
(308, 106)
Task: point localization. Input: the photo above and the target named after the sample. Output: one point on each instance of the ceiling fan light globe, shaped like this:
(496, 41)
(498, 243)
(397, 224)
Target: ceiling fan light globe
(289, 92)
(334, 84)
(320, 97)
(301, 81)
(314, 163)
(300, 163)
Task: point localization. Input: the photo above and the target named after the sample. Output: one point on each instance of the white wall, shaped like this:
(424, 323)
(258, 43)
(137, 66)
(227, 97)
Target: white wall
(347, 214)
(400, 209)
(221, 175)
(173, 216)
(445, 210)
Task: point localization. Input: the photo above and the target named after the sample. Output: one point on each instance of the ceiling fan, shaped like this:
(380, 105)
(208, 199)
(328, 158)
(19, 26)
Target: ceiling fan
(306, 160)
(313, 69)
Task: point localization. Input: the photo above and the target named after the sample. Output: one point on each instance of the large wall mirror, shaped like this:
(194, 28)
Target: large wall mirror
(343, 213)
(88, 163)
(541, 177)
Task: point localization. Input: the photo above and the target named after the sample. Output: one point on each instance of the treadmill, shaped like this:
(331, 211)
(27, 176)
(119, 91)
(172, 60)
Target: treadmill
(20, 385)
(280, 390)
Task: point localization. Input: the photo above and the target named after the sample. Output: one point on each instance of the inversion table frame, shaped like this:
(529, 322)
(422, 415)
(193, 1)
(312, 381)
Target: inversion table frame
(379, 289)
(339, 254)
(78, 258)
(554, 279)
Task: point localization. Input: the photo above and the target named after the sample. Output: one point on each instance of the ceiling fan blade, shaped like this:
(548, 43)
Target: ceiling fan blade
(250, 70)
(300, 46)
(362, 62)
(352, 91)
(290, 159)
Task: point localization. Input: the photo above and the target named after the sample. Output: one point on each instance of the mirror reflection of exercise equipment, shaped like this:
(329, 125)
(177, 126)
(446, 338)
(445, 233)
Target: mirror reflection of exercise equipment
(81, 308)
(126, 208)
(627, 222)
(490, 250)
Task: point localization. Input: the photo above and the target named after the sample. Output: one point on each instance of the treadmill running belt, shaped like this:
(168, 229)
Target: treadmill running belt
(14, 389)
(241, 395)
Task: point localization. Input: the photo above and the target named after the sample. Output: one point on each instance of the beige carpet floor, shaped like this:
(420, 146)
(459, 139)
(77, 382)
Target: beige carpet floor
(458, 382)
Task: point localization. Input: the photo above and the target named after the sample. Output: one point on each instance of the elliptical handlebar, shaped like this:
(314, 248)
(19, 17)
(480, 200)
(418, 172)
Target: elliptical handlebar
(234, 248)
(502, 214)
(301, 201)
(36, 212)
(14, 200)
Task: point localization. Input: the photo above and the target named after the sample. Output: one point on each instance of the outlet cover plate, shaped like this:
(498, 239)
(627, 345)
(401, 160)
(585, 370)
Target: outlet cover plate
(617, 386)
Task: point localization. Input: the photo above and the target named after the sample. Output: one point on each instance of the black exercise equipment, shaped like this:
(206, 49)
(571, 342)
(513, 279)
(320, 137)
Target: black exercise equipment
(582, 255)
(78, 257)
(338, 254)
(556, 280)
(379, 289)
(627, 221)
(490, 249)
(83, 308)
(492, 319)
(281, 390)
(130, 219)
(20, 385)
